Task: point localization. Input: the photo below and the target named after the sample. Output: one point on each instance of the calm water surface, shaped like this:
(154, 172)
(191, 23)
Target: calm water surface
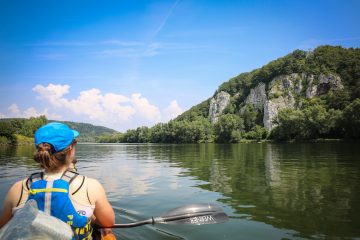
(270, 191)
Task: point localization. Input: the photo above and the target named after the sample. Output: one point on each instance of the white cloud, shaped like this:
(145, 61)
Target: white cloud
(52, 93)
(31, 112)
(90, 103)
(15, 111)
(172, 111)
(145, 109)
(108, 109)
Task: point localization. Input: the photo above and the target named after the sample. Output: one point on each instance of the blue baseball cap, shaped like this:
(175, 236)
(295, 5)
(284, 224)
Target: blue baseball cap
(59, 135)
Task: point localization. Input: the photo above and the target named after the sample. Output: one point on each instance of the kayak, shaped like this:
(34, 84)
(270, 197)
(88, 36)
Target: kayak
(30, 223)
(103, 234)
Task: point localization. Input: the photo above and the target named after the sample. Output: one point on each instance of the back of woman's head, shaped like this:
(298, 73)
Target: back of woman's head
(48, 159)
(52, 144)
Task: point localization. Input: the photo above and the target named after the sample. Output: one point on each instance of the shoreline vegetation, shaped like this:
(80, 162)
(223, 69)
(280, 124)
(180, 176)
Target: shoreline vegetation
(12, 133)
(23, 140)
(330, 114)
(20, 131)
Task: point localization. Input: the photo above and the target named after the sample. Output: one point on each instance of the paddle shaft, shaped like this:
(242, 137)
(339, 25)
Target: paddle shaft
(159, 220)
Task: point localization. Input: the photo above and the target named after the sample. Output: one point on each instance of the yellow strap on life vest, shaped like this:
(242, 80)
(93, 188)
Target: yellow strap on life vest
(41, 190)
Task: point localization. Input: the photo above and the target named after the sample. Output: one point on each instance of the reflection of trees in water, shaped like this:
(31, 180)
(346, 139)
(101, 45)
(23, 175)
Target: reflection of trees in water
(317, 188)
(18, 155)
(296, 186)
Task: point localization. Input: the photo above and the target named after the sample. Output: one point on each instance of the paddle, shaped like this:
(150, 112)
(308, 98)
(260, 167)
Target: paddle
(193, 214)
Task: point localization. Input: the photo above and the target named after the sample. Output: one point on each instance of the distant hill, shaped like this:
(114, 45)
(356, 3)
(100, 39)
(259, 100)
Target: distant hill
(87, 131)
(27, 127)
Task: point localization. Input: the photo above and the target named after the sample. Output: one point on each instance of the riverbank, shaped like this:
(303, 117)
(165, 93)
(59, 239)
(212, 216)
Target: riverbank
(19, 140)
(23, 140)
(294, 140)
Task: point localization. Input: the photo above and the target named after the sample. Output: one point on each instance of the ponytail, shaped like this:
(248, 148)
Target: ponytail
(48, 159)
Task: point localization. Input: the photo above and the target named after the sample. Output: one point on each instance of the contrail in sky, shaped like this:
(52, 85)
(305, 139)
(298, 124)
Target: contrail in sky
(166, 18)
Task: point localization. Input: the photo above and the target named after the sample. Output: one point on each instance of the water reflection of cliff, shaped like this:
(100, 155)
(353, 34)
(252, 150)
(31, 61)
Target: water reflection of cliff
(310, 188)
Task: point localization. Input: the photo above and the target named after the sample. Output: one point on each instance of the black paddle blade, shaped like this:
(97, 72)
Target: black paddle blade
(195, 214)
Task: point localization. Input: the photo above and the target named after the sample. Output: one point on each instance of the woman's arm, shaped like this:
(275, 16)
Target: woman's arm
(11, 199)
(103, 212)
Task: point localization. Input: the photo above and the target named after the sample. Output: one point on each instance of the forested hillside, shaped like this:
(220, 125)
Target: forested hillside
(88, 132)
(303, 95)
(21, 130)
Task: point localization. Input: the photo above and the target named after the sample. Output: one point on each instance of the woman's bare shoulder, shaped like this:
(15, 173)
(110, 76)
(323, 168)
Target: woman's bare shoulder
(92, 182)
(17, 185)
(13, 194)
(95, 190)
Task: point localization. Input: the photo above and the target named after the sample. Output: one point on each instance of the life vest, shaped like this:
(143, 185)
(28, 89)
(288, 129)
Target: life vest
(53, 198)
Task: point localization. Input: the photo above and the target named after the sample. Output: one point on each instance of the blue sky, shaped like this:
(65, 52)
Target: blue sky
(124, 64)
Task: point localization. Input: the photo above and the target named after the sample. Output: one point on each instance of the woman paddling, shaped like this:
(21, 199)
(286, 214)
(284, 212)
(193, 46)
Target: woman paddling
(59, 190)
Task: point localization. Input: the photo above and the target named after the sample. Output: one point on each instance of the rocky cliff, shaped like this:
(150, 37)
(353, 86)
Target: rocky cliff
(283, 91)
(218, 105)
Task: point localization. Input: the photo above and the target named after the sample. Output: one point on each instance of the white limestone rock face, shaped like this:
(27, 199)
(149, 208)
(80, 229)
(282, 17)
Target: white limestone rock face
(282, 90)
(281, 95)
(324, 84)
(272, 108)
(217, 105)
(328, 83)
(257, 96)
(283, 84)
(312, 88)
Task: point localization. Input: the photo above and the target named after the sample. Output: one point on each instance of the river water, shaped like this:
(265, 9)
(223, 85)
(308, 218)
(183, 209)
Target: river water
(269, 191)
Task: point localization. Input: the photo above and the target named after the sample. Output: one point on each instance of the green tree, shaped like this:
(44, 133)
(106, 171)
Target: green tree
(31, 125)
(226, 125)
(110, 138)
(257, 133)
(290, 125)
(7, 133)
(157, 133)
(250, 116)
(315, 122)
(351, 119)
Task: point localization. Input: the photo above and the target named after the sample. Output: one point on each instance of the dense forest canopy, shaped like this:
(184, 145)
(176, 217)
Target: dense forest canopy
(335, 114)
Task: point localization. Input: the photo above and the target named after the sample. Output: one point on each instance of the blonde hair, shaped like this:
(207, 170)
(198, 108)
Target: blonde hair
(48, 158)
